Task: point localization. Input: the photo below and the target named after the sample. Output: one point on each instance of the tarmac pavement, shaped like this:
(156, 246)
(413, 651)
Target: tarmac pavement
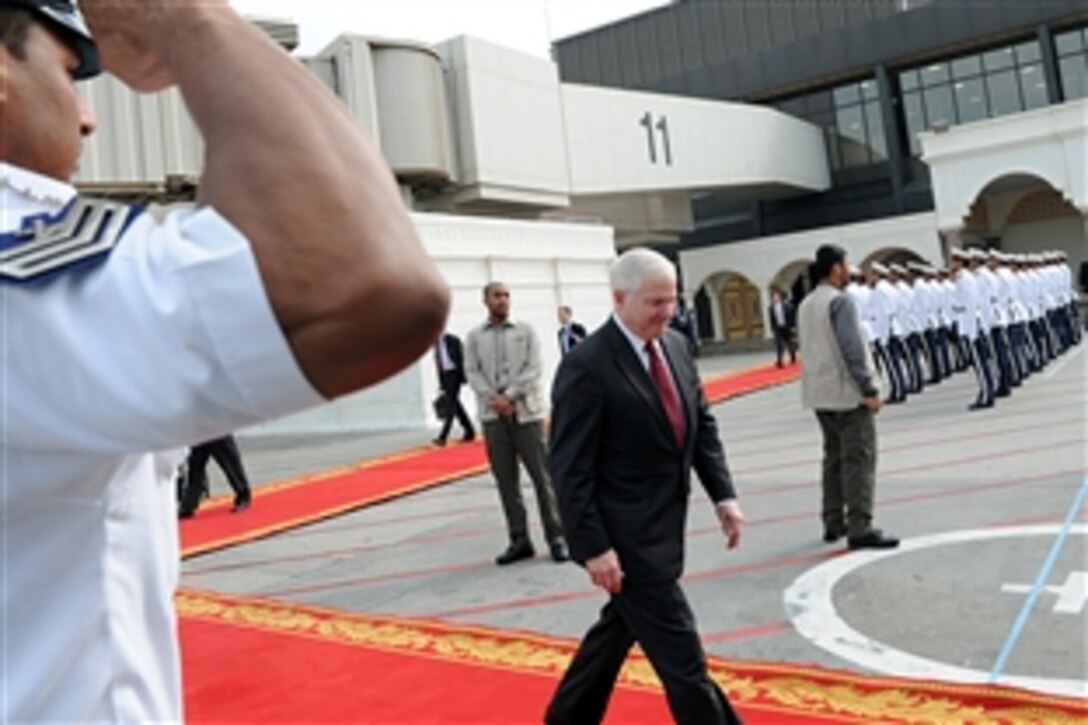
(944, 607)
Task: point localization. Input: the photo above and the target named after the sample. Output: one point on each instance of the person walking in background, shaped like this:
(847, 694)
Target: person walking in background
(449, 360)
(839, 383)
(570, 332)
(629, 422)
(225, 452)
(502, 364)
(683, 321)
(783, 317)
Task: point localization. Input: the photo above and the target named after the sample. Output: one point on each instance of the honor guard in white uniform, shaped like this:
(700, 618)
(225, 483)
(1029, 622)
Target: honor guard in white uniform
(127, 339)
(1015, 315)
(959, 358)
(998, 320)
(912, 337)
(965, 307)
(883, 306)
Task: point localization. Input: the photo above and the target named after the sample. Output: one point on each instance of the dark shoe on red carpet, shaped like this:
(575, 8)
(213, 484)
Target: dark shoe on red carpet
(240, 506)
(468, 438)
(559, 552)
(186, 514)
(516, 552)
(875, 539)
(439, 442)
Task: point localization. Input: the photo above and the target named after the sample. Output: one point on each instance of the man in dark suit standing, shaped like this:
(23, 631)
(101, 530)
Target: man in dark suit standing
(449, 361)
(629, 422)
(570, 332)
(784, 324)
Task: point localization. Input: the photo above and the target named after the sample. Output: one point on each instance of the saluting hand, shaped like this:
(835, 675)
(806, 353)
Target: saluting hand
(134, 37)
(605, 572)
(732, 521)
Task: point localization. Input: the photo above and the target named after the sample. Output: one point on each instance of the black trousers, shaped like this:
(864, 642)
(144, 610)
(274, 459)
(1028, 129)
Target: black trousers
(783, 340)
(451, 387)
(226, 455)
(659, 618)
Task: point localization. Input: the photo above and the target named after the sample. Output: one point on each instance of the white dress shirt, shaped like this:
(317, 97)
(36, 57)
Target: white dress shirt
(109, 371)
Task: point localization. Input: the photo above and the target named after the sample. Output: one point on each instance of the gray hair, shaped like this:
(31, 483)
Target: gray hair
(635, 266)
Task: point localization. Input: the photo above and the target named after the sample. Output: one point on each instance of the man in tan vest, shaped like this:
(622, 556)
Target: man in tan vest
(839, 382)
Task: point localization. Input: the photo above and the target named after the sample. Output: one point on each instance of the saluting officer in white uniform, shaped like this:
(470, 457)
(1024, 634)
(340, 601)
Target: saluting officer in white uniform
(128, 339)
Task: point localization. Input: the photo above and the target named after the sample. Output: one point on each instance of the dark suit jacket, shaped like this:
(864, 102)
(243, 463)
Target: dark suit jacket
(789, 311)
(577, 331)
(457, 355)
(620, 477)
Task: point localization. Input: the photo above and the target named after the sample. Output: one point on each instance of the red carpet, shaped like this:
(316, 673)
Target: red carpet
(259, 661)
(292, 504)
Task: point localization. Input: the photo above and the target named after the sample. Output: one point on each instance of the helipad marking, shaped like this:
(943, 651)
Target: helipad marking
(810, 607)
(1072, 596)
(1037, 588)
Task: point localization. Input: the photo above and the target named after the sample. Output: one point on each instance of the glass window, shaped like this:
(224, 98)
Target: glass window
(874, 122)
(831, 137)
(847, 94)
(1033, 87)
(936, 73)
(939, 110)
(851, 125)
(908, 80)
(1028, 52)
(970, 100)
(1004, 93)
(1074, 70)
(966, 67)
(1069, 42)
(869, 91)
(915, 120)
(998, 59)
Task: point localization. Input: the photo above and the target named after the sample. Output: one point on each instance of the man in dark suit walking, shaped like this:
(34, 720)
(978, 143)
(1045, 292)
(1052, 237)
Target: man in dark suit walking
(449, 361)
(629, 422)
(784, 324)
(570, 332)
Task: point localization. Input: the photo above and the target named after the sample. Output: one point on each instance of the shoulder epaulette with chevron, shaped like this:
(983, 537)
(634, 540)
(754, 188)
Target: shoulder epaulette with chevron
(83, 232)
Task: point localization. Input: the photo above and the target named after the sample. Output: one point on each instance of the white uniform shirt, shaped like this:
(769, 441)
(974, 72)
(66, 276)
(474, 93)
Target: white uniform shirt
(904, 312)
(861, 295)
(990, 305)
(107, 371)
(964, 304)
(882, 303)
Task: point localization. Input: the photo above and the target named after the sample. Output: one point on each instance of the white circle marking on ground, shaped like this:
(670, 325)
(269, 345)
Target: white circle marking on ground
(811, 609)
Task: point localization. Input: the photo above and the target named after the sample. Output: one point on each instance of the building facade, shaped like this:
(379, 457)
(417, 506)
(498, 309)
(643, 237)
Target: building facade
(969, 115)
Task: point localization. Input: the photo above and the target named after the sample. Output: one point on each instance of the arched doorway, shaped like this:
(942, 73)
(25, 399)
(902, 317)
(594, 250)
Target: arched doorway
(1023, 213)
(793, 280)
(894, 255)
(739, 306)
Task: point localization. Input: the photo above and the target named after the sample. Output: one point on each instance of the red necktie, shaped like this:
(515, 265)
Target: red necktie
(666, 388)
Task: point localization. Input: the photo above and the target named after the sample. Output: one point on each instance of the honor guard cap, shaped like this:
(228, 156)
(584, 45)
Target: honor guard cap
(959, 253)
(879, 269)
(64, 17)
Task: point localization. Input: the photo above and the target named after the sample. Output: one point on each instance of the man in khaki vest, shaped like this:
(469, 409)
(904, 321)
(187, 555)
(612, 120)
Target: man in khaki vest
(839, 382)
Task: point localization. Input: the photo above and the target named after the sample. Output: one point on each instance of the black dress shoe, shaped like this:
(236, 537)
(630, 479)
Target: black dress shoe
(441, 442)
(240, 505)
(831, 535)
(468, 438)
(980, 406)
(875, 539)
(516, 552)
(559, 552)
(186, 514)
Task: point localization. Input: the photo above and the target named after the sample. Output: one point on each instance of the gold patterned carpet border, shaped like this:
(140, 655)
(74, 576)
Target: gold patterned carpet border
(793, 690)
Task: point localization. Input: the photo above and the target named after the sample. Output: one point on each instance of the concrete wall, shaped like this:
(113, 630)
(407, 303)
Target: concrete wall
(544, 264)
(762, 260)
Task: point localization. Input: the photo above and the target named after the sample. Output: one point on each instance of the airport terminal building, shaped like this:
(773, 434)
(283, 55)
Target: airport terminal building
(945, 122)
(735, 136)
